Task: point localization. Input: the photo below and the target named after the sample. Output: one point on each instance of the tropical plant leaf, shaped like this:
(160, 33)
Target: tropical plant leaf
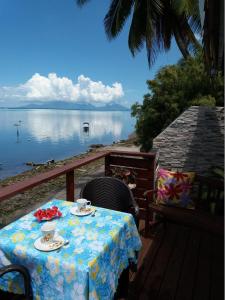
(218, 171)
(116, 17)
(137, 31)
(154, 23)
(165, 29)
(143, 28)
(195, 24)
(81, 2)
(152, 45)
(188, 7)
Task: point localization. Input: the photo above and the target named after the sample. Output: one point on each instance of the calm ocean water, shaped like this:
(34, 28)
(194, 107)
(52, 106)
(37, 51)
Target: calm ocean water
(40, 135)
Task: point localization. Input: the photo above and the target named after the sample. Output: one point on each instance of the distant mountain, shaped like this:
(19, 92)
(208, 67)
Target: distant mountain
(75, 106)
(112, 107)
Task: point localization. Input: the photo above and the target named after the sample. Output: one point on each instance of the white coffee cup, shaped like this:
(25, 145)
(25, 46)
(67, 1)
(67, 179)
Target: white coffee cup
(82, 204)
(48, 232)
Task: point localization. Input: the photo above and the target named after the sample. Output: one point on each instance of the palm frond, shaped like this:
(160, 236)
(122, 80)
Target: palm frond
(116, 16)
(143, 29)
(149, 26)
(156, 6)
(195, 23)
(137, 31)
(81, 2)
(154, 23)
(213, 37)
(165, 28)
(150, 36)
(191, 34)
(187, 7)
(153, 51)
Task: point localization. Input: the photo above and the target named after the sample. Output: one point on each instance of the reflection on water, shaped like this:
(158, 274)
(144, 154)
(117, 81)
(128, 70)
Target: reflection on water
(54, 134)
(49, 125)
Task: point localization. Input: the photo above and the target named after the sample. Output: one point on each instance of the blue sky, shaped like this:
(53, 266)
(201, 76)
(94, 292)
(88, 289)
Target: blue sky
(58, 38)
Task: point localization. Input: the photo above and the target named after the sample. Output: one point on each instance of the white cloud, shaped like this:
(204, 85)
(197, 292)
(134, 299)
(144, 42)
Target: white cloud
(52, 87)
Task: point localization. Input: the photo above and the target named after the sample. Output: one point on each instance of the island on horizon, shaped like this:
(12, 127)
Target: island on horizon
(113, 106)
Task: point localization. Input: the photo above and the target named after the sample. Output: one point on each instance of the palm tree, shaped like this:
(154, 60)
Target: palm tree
(154, 23)
(213, 37)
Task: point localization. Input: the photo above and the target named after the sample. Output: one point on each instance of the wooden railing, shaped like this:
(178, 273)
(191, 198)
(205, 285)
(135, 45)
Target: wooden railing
(144, 166)
(68, 170)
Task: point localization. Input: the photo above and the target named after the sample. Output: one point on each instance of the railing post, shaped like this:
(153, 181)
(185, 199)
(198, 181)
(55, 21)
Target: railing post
(70, 186)
(107, 165)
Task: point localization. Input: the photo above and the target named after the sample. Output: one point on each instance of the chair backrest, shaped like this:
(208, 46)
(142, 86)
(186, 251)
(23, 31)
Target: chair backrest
(26, 278)
(108, 192)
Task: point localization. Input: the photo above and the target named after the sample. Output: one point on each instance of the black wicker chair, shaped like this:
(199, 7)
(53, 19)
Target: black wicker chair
(27, 282)
(111, 193)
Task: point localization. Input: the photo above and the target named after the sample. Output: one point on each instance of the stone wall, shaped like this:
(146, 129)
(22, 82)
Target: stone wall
(194, 141)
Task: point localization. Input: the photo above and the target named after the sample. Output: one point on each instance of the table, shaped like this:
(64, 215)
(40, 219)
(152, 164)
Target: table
(88, 268)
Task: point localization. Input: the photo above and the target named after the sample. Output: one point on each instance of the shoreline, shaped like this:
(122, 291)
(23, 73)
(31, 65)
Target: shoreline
(35, 168)
(21, 204)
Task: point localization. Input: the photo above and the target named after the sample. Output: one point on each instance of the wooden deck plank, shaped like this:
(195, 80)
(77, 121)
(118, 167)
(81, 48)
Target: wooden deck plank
(146, 244)
(140, 279)
(181, 263)
(169, 284)
(203, 277)
(217, 288)
(189, 268)
(159, 265)
(192, 218)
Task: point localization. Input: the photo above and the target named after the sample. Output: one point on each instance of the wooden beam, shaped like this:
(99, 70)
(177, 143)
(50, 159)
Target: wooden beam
(70, 186)
(107, 165)
(131, 153)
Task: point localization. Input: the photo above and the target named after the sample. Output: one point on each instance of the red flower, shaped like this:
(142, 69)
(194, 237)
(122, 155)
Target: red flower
(173, 191)
(161, 193)
(180, 176)
(163, 173)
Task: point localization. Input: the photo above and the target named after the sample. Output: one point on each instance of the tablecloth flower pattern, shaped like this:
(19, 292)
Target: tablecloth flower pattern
(88, 268)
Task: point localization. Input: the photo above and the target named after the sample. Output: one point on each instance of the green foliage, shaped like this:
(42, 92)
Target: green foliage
(204, 101)
(173, 90)
(217, 172)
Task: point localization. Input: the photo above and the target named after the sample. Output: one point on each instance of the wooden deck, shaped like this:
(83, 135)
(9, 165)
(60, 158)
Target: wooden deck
(179, 263)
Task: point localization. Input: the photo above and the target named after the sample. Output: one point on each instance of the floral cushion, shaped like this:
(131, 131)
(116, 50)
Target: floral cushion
(173, 188)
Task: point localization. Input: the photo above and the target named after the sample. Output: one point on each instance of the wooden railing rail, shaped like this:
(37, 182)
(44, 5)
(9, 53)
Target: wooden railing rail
(19, 187)
(68, 170)
(129, 153)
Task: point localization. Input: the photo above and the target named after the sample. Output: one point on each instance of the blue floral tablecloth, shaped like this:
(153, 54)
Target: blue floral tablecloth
(88, 268)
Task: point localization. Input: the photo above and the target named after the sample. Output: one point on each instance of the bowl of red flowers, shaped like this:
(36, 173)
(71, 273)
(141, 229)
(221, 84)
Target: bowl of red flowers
(47, 214)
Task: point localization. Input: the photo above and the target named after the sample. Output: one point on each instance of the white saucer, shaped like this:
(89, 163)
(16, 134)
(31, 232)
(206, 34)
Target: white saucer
(56, 244)
(74, 211)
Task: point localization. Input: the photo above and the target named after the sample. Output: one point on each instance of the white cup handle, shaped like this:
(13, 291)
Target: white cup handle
(89, 203)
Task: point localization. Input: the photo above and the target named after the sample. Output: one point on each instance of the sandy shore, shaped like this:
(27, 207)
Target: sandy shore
(15, 207)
